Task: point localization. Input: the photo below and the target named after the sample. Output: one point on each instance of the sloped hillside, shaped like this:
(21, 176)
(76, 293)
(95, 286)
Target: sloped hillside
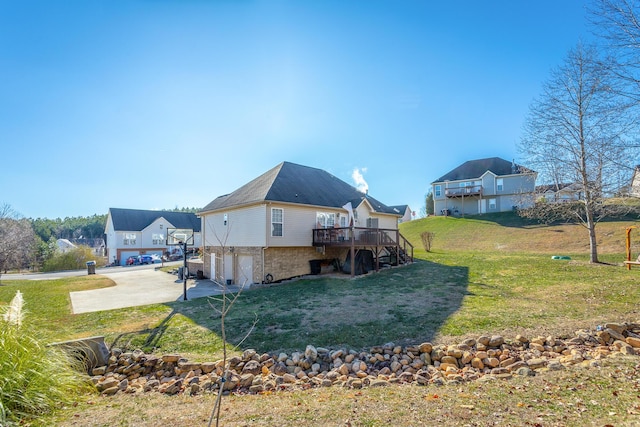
(510, 233)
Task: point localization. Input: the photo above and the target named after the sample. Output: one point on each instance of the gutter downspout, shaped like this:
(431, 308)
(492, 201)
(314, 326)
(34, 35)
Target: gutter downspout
(266, 232)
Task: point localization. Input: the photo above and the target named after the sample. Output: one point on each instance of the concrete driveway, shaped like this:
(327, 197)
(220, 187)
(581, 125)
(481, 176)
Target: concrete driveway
(140, 287)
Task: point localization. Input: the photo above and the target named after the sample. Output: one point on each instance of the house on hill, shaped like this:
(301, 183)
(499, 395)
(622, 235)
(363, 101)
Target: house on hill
(132, 232)
(405, 211)
(634, 189)
(294, 220)
(559, 193)
(483, 186)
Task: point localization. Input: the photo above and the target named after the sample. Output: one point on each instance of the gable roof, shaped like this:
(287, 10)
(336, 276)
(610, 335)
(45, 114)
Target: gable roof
(293, 183)
(137, 219)
(476, 168)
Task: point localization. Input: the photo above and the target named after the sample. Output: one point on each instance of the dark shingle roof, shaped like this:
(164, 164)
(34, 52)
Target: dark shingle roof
(292, 183)
(137, 219)
(476, 168)
(400, 208)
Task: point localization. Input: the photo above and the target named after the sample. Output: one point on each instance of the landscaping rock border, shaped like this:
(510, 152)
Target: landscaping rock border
(485, 358)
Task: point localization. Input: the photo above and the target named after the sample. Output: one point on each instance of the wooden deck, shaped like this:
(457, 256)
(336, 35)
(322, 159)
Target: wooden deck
(381, 242)
(472, 190)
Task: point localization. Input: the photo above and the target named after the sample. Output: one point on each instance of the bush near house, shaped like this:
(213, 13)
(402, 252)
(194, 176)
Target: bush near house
(75, 259)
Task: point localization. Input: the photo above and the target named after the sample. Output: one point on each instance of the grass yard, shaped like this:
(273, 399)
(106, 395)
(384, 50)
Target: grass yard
(487, 275)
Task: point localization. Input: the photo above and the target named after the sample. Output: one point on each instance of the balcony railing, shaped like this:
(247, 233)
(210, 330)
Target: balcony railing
(472, 190)
(359, 236)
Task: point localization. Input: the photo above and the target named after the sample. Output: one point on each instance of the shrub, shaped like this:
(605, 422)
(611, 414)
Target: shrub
(74, 259)
(427, 240)
(35, 379)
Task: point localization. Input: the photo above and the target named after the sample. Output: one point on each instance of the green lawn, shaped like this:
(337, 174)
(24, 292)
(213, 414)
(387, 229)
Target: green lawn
(445, 294)
(485, 275)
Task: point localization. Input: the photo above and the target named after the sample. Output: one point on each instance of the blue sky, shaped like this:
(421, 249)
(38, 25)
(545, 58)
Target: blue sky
(157, 104)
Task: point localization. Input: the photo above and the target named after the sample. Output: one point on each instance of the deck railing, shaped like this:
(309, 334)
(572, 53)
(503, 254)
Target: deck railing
(362, 236)
(472, 190)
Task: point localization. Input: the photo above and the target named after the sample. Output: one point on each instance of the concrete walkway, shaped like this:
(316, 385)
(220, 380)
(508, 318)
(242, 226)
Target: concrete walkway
(140, 287)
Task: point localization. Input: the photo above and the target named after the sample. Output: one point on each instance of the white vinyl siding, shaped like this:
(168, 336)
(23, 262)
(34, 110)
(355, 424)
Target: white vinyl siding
(387, 221)
(245, 227)
(251, 226)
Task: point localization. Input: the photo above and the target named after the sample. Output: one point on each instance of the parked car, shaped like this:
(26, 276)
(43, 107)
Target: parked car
(172, 257)
(132, 260)
(149, 259)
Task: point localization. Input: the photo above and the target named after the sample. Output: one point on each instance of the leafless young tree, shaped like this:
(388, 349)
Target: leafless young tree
(17, 239)
(222, 305)
(578, 131)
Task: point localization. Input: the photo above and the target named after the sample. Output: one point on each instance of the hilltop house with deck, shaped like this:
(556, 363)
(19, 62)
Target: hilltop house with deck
(483, 186)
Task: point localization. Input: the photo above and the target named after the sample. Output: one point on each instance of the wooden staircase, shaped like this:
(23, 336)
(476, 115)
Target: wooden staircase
(402, 252)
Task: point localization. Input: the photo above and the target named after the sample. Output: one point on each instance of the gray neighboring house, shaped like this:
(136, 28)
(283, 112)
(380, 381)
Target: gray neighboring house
(132, 232)
(483, 186)
(292, 220)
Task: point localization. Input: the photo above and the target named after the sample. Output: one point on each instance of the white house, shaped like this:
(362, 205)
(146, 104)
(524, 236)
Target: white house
(294, 220)
(132, 232)
(405, 211)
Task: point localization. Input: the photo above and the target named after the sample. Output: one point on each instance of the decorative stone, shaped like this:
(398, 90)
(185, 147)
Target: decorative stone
(536, 363)
(496, 341)
(171, 358)
(425, 347)
(477, 363)
(632, 341)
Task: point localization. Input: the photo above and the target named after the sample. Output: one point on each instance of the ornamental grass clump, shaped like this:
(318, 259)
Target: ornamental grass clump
(35, 379)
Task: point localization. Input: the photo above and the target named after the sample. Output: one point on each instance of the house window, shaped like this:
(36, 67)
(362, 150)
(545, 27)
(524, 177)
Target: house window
(325, 220)
(129, 239)
(372, 222)
(492, 204)
(343, 221)
(499, 184)
(276, 222)
(437, 190)
(158, 239)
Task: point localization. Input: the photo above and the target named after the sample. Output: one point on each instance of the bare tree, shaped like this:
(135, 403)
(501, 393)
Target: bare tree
(577, 132)
(17, 239)
(224, 304)
(616, 23)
